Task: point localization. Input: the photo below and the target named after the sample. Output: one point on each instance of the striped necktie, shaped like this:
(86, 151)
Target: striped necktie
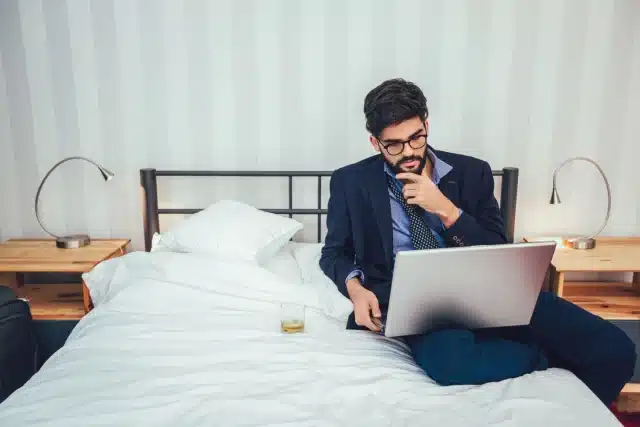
(421, 235)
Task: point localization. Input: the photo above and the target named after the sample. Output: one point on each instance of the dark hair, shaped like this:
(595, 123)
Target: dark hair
(393, 101)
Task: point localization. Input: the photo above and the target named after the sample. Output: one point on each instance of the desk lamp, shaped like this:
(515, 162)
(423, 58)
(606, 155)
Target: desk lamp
(76, 240)
(582, 242)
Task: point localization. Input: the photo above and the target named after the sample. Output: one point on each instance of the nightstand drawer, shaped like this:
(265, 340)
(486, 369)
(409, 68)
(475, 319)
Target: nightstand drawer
(609, 300)
(54, 301)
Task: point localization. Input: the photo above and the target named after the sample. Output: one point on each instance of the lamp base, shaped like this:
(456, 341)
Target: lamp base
(581, 243)
(73, 242)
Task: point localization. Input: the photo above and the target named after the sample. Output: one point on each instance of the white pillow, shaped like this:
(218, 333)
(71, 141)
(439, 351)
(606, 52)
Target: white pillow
(334, 303)
(230, 229)
(284, 265)
(234, 281)
(156, 243)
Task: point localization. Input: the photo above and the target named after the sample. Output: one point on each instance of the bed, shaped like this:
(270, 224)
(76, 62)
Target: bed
(187, 333)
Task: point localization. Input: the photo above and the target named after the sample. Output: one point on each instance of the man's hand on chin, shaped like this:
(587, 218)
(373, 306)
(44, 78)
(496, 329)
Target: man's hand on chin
(420, 190)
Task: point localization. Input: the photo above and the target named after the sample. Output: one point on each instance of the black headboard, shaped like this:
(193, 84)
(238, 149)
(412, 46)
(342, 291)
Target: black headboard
(151, 211)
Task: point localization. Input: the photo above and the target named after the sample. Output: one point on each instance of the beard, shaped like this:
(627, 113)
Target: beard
(397, 167)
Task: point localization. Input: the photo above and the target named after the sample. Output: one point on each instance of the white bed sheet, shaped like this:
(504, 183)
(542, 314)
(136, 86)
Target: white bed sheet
(181, 341)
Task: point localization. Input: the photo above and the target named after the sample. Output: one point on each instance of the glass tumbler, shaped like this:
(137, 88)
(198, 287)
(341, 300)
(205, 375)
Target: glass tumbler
(291, 318)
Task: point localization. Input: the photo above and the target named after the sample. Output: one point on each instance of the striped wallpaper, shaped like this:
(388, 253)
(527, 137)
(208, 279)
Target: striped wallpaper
(248, 84)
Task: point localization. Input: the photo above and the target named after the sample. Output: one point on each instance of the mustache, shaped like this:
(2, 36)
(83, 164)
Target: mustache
(409, 159)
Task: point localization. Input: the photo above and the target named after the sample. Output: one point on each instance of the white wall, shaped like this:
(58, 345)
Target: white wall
(280, 84)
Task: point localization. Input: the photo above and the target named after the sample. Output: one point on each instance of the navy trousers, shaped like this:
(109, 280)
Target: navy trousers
(560, 334)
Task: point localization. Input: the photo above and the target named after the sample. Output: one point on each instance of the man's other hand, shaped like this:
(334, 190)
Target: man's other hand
(365, 305)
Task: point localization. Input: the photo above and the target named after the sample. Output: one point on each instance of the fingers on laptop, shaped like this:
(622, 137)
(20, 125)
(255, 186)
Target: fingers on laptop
(365, 318)
(372, 324)
(375, 308)
(377, 322)
(367, 322)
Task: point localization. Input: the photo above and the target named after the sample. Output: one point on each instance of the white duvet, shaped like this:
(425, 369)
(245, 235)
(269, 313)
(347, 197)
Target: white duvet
(181, 340)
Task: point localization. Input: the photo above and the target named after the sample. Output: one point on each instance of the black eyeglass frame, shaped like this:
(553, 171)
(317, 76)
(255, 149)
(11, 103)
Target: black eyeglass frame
(402, 143)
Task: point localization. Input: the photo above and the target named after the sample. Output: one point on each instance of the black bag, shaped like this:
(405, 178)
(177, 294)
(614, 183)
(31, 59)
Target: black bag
(18, 348)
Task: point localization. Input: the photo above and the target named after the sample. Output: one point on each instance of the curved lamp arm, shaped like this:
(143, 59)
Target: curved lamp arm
(556, 199)
(105, 174)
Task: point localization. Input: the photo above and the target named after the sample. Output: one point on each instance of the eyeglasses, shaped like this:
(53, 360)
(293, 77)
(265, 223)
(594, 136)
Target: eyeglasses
(397, 147)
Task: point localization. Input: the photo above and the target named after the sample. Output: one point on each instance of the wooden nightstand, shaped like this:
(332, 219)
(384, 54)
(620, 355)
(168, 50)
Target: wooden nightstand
(54, 301)
(609, 300)
(618, 302)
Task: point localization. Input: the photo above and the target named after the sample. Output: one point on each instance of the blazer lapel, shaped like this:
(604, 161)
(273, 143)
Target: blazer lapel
(381, 207)
(449, 187)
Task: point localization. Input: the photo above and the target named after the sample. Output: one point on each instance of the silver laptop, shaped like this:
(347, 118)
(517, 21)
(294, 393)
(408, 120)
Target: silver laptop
(472, 287)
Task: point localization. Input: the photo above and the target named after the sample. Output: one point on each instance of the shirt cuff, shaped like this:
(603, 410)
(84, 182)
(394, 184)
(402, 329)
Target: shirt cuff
(355, 273)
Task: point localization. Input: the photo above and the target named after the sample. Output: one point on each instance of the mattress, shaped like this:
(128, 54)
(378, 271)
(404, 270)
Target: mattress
(182, 340)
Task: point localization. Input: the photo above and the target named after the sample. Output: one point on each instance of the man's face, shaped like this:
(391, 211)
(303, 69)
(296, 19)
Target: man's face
(404, 157)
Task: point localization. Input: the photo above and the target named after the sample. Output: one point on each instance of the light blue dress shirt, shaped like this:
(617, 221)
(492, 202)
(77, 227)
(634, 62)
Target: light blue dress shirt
(400, 219)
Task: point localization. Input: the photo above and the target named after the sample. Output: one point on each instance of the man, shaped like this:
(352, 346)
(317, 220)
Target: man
(412, 196)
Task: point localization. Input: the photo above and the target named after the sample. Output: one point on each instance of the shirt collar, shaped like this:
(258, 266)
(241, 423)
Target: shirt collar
(440, 168)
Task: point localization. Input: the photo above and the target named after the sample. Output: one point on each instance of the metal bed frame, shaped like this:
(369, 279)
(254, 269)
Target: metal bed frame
(151, 211)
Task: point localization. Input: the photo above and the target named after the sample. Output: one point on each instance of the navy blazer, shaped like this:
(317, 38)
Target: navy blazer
(359, 229)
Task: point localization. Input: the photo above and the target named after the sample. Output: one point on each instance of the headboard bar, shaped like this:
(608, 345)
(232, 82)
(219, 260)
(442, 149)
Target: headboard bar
(508, 200)
(150, 207)
(319, 208)
(187, 211)
(242, 173)
(148, 181)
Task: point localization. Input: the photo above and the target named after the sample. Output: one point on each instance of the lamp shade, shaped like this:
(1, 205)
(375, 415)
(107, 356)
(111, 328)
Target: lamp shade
(555, 197)
(106, 173)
